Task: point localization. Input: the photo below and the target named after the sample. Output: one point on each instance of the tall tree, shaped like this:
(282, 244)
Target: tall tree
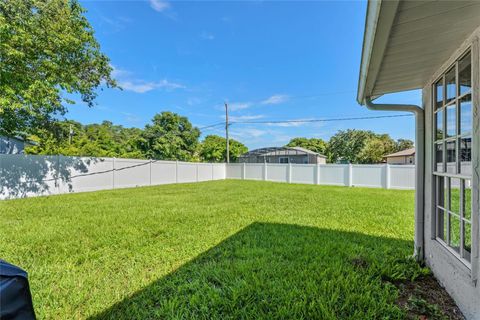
(402, 144)
(47, 50)
(213, 149)
(313, 144)
(170, 137)
(376, 148)
(348, 144)
(71, 138)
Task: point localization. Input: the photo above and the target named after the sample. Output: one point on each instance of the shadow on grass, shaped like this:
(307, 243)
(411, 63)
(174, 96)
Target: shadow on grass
(279, 271)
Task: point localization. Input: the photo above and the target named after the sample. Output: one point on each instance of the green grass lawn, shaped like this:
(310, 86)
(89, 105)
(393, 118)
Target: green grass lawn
(213, 250)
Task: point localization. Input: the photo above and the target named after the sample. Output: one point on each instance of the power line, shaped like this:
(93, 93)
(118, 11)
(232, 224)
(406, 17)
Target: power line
(211, 125)
(320, 120)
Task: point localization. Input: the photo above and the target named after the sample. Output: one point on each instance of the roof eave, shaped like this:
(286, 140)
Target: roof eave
(378, 24)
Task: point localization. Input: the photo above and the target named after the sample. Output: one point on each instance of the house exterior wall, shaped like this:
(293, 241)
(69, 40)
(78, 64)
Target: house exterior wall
(298, 159)
(458, 278)
(10, 145)
(401, 160)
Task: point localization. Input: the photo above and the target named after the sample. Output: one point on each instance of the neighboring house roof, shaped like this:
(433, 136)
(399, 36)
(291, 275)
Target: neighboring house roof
(19, 138)
(403, 153)
(405, 42)
(281, 151)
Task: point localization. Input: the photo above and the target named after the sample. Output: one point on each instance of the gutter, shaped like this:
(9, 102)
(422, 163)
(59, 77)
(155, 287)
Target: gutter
(419, 166)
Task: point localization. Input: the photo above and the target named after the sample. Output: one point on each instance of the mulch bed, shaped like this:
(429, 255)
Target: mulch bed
(425, 298)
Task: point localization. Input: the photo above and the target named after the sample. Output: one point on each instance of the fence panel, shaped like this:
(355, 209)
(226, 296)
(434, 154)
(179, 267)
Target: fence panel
(369, 176)
(30, 175)
(79, 174)
(277, 172)
(187, 172)
(334, 174)
(219, 171)
(377, 176)
(131, 173)
(303, 173)
(163, 172)
(402, 176)
(24, 176)
(234, 171)
(254, 171)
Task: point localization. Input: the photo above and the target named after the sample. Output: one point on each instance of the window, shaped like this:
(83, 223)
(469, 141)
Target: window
(452, 152)
(283, 160)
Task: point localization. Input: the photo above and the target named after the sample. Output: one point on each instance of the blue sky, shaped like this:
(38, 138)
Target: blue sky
(270, 60)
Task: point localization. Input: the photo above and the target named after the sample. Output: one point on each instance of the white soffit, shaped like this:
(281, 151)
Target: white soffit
(410, 40)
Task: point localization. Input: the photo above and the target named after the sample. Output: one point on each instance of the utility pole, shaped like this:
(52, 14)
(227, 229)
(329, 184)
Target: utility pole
(226, 132)
(70, 134)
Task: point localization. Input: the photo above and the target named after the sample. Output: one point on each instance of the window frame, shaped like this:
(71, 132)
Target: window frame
(469, 259)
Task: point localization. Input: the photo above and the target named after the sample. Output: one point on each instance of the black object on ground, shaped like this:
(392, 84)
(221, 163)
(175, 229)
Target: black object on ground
(15, 298)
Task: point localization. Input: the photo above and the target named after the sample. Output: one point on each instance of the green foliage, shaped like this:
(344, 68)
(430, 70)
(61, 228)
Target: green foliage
(363, 146)
(97, 140)
(47, 48)
(253, 250)
(170, 137)
(313, 144)
(421, 306)
(213, 149)
(348, 144)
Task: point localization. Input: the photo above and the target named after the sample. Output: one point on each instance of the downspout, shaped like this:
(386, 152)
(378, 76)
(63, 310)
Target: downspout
(419, 166)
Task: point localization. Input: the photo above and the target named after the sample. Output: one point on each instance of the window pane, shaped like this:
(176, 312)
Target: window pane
(439, 125)
(439, 157)
(451, 85)
(441, 192)
(466, 115)
(439, 93)
(467, 241)
(467, 210)
(465, 74)
(455, 233)
(451, 157)
(441, 225)
(455, 195)
(466, 155)
(451, 121)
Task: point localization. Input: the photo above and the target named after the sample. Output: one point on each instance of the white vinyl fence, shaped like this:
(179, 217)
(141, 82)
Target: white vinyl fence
(375, 176)
(29, 175)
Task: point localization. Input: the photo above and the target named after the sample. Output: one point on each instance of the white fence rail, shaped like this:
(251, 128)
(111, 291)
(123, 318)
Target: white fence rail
(29, 175)
(375, 176)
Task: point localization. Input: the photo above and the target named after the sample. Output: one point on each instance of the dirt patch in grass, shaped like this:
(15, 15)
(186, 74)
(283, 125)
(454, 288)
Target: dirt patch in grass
(425, 298)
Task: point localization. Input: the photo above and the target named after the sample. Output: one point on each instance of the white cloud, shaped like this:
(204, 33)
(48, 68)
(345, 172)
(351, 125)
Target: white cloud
(140, 86)
(239, 106)
(207, 36)
(276, 99)
(131, 118)
(245, 118)
(286, 124)
(159, 5)
(125, 81)
(246, 133)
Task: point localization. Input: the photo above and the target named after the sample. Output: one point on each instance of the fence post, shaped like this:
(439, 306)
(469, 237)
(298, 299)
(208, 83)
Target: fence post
(244, 171)
(317, 174)
(176, 171)
(289, 173)
(150, 171)
(387, 176)
(57, 174)
(211, 167)
(196, 171)
(264, 171)
(113, 173)
(350, 175)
